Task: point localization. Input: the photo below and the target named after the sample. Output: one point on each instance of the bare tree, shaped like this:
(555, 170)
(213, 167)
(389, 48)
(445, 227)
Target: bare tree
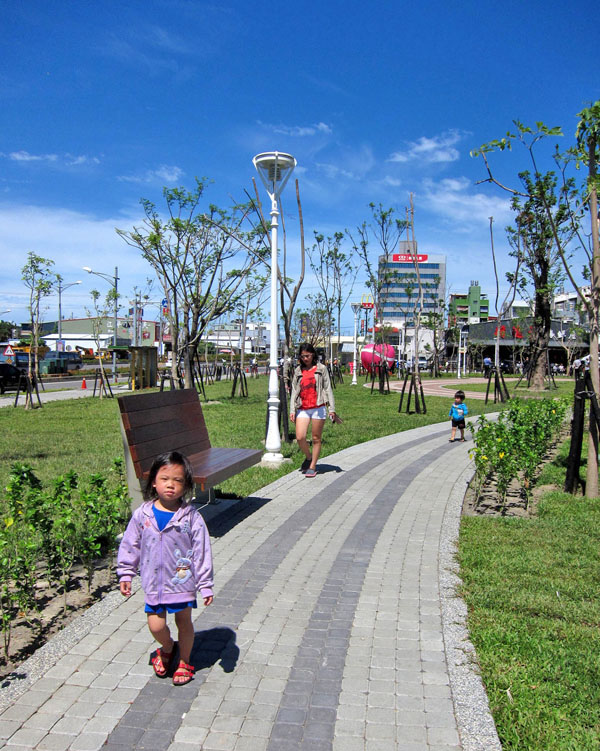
(38, 278)
(288, 289)
(335, 276)
(386, 229)
(313, 325)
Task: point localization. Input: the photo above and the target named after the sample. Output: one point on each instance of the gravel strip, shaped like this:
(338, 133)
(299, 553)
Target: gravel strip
(475, 722)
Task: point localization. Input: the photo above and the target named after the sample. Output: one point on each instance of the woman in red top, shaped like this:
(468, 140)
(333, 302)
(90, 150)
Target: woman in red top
(311, 398)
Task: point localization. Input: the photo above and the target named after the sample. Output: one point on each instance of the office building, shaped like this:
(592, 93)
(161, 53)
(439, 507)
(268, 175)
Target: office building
(400, 292)
(468, 307)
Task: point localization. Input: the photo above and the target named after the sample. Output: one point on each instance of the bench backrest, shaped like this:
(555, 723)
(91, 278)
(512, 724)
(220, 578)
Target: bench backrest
(163, 421)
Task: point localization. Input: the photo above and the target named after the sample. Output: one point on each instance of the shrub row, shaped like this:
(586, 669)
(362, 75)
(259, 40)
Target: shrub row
(45, 532)
(513, 446)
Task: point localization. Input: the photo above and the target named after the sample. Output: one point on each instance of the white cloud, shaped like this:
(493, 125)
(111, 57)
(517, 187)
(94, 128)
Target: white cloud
(334, 171)
(72, 240)
(25, 156)
(163, 174)
(438, 149)
(299, 131)
(68, 160)
(392, 182)
(76, 161)
(458, 200)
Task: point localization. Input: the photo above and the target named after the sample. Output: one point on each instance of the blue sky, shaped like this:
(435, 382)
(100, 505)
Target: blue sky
(104, 103)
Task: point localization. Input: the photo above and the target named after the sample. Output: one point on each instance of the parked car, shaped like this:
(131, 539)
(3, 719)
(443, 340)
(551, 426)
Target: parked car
(9, 376)
(73, 359)
(20, 360)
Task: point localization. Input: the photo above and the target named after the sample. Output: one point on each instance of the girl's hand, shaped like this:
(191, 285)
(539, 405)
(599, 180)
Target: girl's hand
(293, 417)
(208, 600)
(125, 588)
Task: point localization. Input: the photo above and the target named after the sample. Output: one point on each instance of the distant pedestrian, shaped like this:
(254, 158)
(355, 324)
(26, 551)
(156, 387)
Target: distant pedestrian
(487, 366)
(167, 541)
(311, 397)
(458, 412)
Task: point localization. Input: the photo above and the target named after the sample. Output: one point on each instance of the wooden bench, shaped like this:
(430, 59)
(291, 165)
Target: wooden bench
(155, 423)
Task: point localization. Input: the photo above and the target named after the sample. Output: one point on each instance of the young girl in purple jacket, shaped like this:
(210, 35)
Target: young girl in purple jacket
(167, 541)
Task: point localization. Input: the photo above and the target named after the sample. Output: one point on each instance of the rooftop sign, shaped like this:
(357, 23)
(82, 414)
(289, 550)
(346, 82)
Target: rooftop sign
(408, 258)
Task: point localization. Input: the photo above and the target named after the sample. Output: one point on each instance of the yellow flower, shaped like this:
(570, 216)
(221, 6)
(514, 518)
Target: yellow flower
(553, 411)
(501, 454)
(484, 457)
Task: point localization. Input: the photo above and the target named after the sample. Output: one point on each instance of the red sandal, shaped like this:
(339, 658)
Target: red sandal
(183, 671)
(161, 662)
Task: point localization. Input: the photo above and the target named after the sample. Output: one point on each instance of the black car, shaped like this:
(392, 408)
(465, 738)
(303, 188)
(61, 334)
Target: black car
(9, 376)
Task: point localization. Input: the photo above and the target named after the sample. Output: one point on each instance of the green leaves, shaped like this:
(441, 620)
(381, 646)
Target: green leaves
(514, 445)
(44, 532)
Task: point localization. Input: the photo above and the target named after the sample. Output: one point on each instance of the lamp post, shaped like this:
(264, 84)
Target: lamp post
(274, 169)
(462, 348)
(355, 308)
(60, 289)
(111, 280)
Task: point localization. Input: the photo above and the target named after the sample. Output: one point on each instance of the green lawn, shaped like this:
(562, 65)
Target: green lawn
(84, 434)
(565, 387)
(531, 587)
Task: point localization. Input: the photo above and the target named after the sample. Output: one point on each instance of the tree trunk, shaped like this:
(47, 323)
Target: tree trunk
(591, 487)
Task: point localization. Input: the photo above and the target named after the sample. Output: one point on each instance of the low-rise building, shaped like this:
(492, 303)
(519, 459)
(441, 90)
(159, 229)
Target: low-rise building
(569, 307)
(468, 307)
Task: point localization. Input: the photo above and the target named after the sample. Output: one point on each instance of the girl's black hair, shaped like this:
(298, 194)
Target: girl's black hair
(307, 347)
(171, 457)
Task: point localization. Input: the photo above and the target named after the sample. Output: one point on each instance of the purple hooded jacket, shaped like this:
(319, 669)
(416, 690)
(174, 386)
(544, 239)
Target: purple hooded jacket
(174, 564)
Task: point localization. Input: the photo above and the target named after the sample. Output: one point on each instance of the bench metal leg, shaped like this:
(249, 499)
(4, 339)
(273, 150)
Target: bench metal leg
(203, 497)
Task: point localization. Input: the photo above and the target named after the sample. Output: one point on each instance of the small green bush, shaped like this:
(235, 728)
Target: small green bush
(514, 445)
(43, 532)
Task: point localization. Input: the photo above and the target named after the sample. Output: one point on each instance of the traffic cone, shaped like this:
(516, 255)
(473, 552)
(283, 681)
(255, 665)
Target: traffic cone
(83, 384)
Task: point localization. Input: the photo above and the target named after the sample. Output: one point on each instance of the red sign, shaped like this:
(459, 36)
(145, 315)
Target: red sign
(367, 305)
(408, 258)
(9, 352)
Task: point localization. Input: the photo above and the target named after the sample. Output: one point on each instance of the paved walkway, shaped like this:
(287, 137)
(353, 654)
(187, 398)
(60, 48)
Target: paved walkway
(335, 626)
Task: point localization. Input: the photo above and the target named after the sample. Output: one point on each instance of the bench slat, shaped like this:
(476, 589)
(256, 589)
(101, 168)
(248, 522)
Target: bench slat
(173, 421)
(171, 427)
(135, 402)
(141, 418)
(186, 441)
(216, 464)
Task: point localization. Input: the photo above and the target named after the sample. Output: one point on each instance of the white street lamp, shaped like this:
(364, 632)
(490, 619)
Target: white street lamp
(462, 349)
(274, 169)
(60, 289)
(355, 308)
(111, 280)
(2, 312)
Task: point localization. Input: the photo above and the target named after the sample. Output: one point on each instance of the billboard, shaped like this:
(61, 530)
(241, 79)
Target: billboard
(409, 258)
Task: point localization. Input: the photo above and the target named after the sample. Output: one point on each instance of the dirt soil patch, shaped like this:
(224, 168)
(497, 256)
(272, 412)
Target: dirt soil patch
(27, 637)
(516, 503)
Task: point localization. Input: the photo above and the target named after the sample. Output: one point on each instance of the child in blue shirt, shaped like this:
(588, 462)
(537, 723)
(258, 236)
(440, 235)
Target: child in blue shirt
(458, 411)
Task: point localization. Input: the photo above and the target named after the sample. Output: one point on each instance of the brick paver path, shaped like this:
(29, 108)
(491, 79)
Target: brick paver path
(335, 626)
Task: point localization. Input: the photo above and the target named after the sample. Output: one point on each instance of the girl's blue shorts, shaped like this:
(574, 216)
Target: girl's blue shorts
(171, 607)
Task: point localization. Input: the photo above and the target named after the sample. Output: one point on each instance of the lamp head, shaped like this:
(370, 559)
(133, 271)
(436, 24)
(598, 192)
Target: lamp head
(87, 268)
(274, 169)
